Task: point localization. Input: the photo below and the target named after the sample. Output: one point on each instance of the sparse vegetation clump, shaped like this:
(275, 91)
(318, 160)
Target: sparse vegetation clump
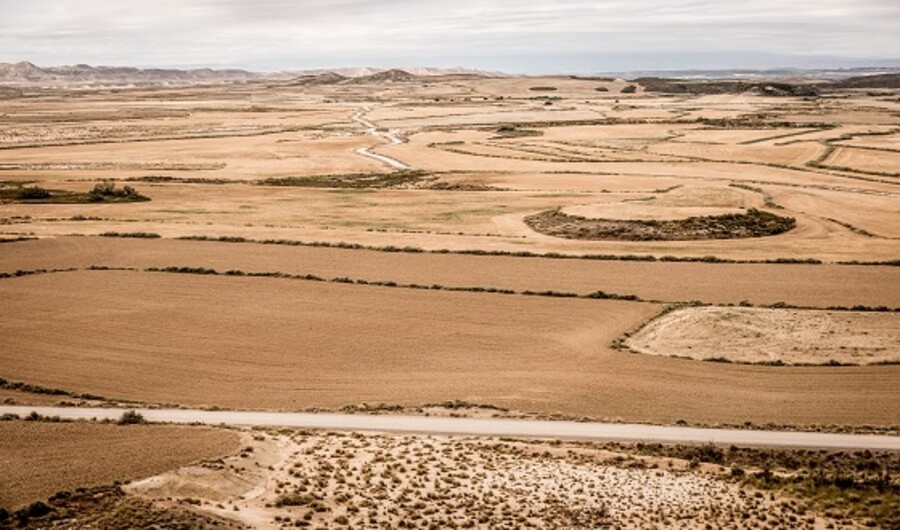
(107, 191)
(397, 179)
(137, 235)
(29, 193)
(752, 223)
(512, 131)
(416, 481)
(859, 485)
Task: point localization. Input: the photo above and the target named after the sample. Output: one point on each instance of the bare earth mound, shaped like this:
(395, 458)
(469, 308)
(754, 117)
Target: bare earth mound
(752, 335)
(753, 223)
(38, 459)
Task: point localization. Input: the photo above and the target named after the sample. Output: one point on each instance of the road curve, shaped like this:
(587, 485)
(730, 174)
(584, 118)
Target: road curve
(622, 432)
(372, 129)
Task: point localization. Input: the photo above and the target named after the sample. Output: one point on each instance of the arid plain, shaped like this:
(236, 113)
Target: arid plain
(528, 247)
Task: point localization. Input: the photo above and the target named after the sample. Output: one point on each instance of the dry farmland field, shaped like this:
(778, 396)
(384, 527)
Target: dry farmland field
(41, 458)
(460, 245)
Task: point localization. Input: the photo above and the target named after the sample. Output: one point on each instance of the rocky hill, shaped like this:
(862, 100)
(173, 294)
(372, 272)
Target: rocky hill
(387, 76)
(871, 81)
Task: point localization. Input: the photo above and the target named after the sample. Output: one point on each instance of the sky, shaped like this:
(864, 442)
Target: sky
(516, 36)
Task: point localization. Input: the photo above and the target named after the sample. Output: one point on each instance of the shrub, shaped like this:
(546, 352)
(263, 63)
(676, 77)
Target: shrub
(33, 192)
(709, 453)
(140, 235)
(107, 190)
(294, 499)
(131, 417)
(37, 509)
(630, 89)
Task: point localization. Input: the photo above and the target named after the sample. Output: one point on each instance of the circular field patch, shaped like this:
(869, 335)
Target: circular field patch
(773, 336)
(752, 223)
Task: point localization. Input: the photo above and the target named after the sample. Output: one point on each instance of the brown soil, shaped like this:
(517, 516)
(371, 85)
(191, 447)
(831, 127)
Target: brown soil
(108, 507)
(807, 285)
(287, 344)
(38, 459)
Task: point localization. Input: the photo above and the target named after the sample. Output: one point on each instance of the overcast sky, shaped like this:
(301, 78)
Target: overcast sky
(513, 35)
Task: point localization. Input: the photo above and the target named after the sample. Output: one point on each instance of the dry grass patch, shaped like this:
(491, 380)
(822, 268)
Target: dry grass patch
(774, 336)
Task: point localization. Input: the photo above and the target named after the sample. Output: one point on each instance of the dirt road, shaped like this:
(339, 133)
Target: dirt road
(373, 130)
(486, 427)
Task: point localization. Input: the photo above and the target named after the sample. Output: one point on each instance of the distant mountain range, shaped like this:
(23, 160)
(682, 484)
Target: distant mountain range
(751, 74)
(26, 73)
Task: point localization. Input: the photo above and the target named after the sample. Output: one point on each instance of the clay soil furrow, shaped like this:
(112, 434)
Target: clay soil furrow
(40, 458)
(276, 344)
(803, 285)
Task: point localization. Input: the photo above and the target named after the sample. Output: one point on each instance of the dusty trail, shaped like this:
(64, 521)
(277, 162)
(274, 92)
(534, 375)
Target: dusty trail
(486, 427)
(372, 129)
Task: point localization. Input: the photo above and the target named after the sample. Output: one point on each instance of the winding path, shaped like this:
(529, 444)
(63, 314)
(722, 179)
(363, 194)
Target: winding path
(486, 427)
(373, 130)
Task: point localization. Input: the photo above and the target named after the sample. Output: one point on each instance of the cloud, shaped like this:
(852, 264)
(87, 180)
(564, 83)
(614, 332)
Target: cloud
(274, 34)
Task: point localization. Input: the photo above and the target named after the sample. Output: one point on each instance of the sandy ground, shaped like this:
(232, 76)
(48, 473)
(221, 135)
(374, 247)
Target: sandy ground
(38, 459)
(751, 335)
(292, 344)
(372, 480)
